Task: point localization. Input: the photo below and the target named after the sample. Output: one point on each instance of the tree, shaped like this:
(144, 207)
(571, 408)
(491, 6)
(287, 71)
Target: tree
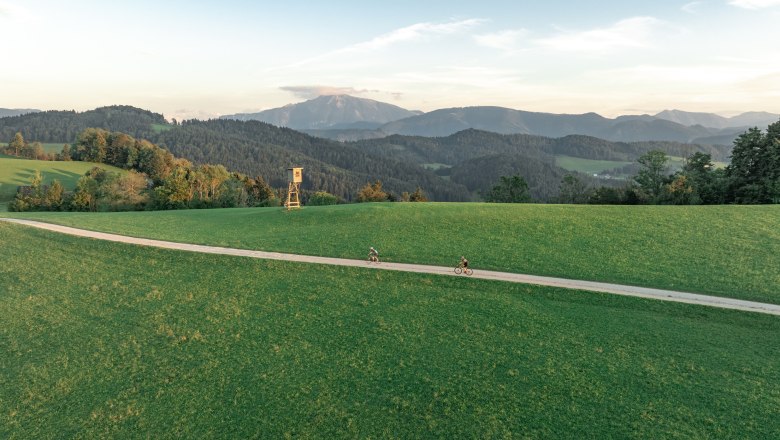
(754, 171)
(372, 193)
(260, 192)
(91, 144)
(17, 144)
(174, 192)
(85, 196)
(33, 151)
(680, 192)
(652, 177)
(53, 197)
(706, 183)
(418, 196)
(573, 190)
(509, 190)
(154, 161)
(122, 192)
(65, 155)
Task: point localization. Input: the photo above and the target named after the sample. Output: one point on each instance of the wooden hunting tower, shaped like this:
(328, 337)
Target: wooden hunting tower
(294, 177)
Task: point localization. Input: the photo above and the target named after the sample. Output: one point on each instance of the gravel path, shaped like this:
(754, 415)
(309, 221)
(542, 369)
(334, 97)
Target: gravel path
(642, 292)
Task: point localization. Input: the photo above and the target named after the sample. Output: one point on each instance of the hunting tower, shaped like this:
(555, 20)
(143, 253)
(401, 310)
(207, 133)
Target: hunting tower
(294, 177)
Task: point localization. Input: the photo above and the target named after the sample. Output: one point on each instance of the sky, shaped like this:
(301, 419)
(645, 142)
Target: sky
(202, 58)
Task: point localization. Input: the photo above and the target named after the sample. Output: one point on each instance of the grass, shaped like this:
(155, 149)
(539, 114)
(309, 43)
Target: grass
(15, 172)
(587, 166)
(104, 340)
(55, 147)
(435, 166)
(159, 128)
(729, 251)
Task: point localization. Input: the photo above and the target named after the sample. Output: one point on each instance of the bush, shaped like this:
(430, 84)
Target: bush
(322, 198)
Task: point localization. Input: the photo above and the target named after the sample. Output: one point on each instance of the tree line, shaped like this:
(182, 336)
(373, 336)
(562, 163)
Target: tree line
(752, 177)
(155, 179)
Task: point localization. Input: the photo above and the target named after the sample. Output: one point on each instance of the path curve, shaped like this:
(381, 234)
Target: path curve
(618, 289)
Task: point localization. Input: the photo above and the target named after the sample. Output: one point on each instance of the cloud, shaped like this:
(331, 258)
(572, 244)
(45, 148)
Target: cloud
(636, 32)
(754, 4)
(684, 76)
(507, 40)
(414, 32)
(692, 7)
(15, 13)
(311, 92)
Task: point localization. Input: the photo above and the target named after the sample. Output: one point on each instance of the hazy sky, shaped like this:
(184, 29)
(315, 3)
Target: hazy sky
(202, 58)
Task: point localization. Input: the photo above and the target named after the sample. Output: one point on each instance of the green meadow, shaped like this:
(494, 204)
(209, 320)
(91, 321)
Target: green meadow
(53, 147)
(15, 172)
(729, 251)
(104, 340)
(587, 166)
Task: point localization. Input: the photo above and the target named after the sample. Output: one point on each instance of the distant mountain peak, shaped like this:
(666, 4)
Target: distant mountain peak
(329, 111)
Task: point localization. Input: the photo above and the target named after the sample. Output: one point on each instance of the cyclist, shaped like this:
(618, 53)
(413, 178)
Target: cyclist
(464, 263)
(373, 255)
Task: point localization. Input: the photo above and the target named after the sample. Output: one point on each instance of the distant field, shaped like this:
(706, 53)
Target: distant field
(435, 166)
(720, 250)
(103, 340)
(158, 128)
(55, 147)
(15, 172)
(587, 166)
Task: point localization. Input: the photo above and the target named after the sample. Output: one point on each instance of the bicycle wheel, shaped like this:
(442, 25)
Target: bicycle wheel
(458, 270)
(468, 272)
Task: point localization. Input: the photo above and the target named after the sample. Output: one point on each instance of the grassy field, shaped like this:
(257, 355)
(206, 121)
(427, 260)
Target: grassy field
(55, 147)
(587, 166)
(15, 172)
(720, 250)
(103, 340)
(159, 128)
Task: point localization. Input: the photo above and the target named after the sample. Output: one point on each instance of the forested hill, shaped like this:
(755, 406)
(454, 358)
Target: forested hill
(251, 147)
(466, 161)
(471, 143)
(62, 125)
(255, 147)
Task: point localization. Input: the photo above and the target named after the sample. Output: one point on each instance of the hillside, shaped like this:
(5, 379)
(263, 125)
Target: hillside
(507, 121)
(735, 255)
(153, 342)
(629, 128)
(57, 126)
(747, 119)
(336, 111)
(254, 147)
(251, 147)
(16, 172)
(469, 144)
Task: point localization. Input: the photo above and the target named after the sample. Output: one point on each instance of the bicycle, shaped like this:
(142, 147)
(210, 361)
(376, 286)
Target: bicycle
(373, 259)
(459, 269)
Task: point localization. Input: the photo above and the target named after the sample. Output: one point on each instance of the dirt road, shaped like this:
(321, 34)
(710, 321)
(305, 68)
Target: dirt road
(617, 289)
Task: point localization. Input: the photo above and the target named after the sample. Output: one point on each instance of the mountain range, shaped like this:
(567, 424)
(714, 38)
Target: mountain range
(339, 118)
(453, 168)
(5, 112)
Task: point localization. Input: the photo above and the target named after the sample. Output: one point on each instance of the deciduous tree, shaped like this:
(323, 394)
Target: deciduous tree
(653, 175)
(512, 189)
(372, 193)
